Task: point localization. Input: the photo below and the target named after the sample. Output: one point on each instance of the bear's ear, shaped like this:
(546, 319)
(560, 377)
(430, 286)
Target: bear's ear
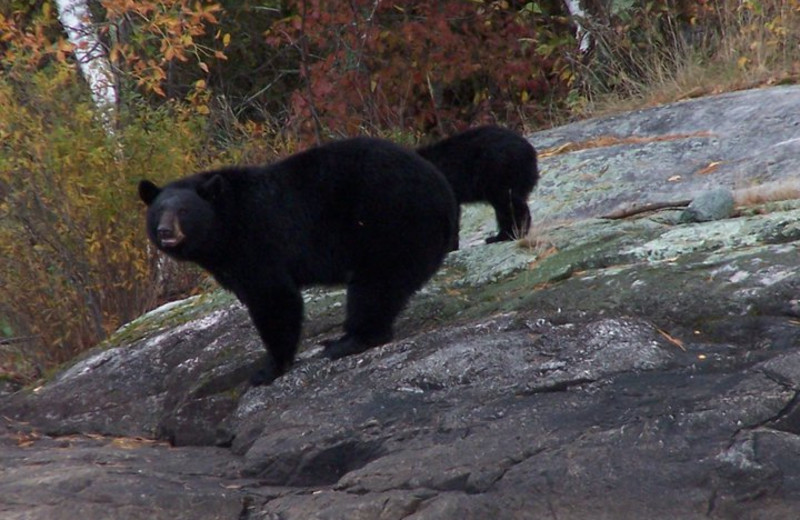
(148, 191)
(214, 188)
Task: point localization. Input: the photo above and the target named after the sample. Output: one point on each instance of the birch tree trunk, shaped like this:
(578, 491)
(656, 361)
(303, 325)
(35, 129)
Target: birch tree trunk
(76, 18)
(577, 13)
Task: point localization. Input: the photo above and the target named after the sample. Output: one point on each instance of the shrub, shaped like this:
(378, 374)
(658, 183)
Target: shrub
(73, 252)
(416, 65)
(665, 50)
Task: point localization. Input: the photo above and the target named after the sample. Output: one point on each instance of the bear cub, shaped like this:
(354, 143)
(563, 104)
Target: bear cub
(490, 164)
(361, 212)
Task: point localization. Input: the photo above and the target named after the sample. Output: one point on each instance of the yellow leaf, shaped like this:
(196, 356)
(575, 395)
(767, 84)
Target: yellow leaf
(226, 40)
(742, 62)
(200, 84)
(202, 109)
(203, 66)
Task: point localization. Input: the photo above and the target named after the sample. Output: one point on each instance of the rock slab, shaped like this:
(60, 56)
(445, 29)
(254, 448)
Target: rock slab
(605, 369)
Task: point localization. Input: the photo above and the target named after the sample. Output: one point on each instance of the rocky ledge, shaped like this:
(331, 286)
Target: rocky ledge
(626, 360)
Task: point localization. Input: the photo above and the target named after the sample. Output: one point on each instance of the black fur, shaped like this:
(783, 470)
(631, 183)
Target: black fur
(361, 212)
(494, 165)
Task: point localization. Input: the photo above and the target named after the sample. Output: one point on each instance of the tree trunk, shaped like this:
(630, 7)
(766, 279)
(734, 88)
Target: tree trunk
(577, 13)
(74, 15)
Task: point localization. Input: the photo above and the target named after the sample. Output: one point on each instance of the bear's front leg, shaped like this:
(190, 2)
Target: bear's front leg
(277, 313)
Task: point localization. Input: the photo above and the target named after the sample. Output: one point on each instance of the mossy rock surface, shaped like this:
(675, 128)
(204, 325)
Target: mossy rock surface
(637, 367)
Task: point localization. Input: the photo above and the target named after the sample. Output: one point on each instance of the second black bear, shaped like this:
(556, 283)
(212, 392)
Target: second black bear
(361, 212)
(490, 164)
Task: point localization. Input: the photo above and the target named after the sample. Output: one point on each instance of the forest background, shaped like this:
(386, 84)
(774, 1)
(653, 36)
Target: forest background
(197, 84)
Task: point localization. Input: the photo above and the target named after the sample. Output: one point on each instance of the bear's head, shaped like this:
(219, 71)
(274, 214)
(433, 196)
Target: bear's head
(182, 219)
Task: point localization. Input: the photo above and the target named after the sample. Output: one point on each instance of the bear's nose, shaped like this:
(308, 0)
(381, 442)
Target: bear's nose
(165, 233)
(168, 236)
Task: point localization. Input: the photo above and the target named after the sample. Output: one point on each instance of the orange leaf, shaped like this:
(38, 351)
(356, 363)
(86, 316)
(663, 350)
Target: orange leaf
(710, 168)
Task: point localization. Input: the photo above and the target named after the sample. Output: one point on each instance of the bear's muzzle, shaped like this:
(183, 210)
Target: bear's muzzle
(169, 232)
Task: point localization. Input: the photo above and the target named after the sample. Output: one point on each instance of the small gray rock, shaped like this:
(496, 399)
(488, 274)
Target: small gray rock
(710, 205)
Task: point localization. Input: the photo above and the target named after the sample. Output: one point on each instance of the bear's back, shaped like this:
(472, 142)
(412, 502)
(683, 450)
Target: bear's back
(481, 160)
(347, 205)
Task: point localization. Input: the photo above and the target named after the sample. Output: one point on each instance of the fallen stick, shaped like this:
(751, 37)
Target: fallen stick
(635, 209)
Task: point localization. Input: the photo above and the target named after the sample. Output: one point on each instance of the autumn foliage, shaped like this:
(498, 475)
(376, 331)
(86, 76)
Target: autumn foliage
(208, 82)
(419, 65)
(75, 261)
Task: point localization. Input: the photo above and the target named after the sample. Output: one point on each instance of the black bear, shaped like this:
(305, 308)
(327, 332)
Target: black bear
(361, 212)
(494, 165)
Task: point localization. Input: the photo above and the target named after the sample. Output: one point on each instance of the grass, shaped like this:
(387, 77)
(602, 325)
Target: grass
(734, 45)
(769, 192)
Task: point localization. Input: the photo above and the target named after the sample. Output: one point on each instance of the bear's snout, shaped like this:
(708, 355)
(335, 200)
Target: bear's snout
(166, 237)
(169, 232)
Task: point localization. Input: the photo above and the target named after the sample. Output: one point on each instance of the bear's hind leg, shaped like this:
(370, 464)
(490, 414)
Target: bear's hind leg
(513, 218)
(371, 310)
(454, 240)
